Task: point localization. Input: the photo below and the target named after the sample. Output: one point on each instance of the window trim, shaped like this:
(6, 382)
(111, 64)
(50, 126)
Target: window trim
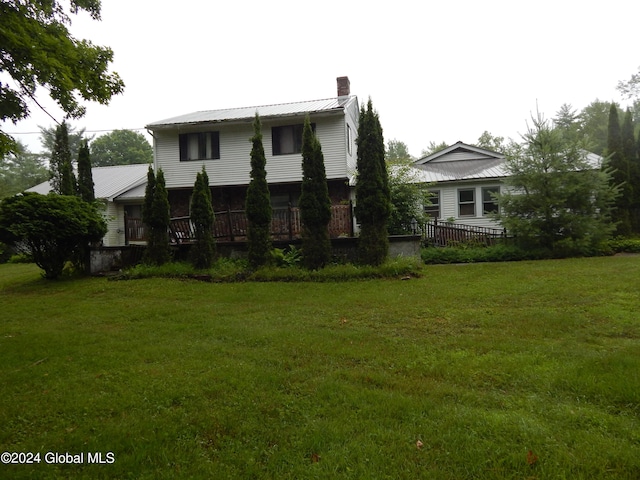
(492, 201)
(276, 148)
(470, 202)
(184, 141)
(437, 194)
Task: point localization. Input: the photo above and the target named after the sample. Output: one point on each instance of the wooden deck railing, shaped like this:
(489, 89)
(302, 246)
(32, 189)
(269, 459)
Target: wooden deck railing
(231, 225)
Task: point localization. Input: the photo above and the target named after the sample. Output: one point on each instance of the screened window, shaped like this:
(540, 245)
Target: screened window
(433, 210)
(466, 202)
(489, 201)
(199, 146)
(349, 139)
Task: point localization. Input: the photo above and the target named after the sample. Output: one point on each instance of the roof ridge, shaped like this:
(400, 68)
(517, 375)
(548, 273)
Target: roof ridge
(270, 104)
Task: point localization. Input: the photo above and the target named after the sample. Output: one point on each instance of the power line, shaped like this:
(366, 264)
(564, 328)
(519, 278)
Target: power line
(86, 131)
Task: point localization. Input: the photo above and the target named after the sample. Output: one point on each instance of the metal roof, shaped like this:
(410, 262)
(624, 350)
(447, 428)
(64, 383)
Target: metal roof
(110, 182)
(462, 170)
(461, 163)
(248, 113)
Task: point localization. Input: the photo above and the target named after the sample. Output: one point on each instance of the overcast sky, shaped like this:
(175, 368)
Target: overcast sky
(435, 71)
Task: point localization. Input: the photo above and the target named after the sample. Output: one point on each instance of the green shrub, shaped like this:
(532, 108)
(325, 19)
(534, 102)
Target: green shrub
(290, 257)
(233, 270)
(477, 254)
(626, 245)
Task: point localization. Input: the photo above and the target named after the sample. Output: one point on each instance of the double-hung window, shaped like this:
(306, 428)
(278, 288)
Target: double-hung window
(287, 139)
(199, 146)
(433, 209)
(467, 202)
(489, 201)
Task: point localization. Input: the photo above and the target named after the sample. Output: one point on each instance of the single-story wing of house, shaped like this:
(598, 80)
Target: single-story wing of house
(465, 179)
(121, 188)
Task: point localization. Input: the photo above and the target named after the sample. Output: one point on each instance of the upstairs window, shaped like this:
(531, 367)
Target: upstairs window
(199, 146)
(287, 139)
(467, 202)
(489, 201)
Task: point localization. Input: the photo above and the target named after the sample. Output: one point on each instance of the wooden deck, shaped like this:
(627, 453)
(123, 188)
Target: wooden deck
(231, 226)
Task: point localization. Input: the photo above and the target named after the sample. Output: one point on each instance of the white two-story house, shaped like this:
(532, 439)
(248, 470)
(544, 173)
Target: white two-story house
(219, 140)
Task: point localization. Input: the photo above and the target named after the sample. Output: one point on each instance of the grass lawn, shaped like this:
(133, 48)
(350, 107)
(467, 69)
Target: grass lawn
(527, 370)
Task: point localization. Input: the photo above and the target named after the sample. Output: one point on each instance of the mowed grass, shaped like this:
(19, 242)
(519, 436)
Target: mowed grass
(513, 370)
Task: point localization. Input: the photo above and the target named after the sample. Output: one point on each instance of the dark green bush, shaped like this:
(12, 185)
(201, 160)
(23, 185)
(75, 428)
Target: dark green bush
(477, 254)
(626, 245)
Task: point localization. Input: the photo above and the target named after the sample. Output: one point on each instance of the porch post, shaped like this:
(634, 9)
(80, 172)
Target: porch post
(126, 228)
(289, 218)
(351, 219)
(230, 223)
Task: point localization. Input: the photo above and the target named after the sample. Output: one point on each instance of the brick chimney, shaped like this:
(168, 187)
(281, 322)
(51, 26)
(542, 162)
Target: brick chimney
(344, 89)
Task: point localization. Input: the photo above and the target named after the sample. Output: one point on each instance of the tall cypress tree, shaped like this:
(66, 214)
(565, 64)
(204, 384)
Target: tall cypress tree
(620, 175)
(258, 202)
(373, 200)
(155, 214)
(61, 168)
(202, 217)
(148, 197)
(315, 204)
(85, 178)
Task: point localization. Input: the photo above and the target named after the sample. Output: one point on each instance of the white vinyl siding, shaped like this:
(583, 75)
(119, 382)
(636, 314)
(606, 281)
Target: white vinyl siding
(114, 216)
(449, 204)
(234, 166)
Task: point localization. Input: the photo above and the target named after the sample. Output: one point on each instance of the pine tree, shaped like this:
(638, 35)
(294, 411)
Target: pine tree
(85, 178)
(315, 204)
(557, 200)
(202, 217)
(61, 168)
(155, 212)
(620, 175)
(258, 202)
(373, 204)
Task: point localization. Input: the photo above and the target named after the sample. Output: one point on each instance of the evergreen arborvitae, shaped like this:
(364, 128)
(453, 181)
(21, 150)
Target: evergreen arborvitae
(633, 167)
(61, 168)
(155, 212)
(373, 203)
(202, 218)
(258, 203)
(85, 178)
(315, 204)
(148, 196)
(635, 181)
(620, 174)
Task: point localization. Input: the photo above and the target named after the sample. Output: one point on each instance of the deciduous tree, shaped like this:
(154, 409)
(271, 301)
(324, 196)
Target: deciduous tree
(409, 194)
(121, 147)
(37, 49)
(258, 202)
(20, 170)
(315, 204)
